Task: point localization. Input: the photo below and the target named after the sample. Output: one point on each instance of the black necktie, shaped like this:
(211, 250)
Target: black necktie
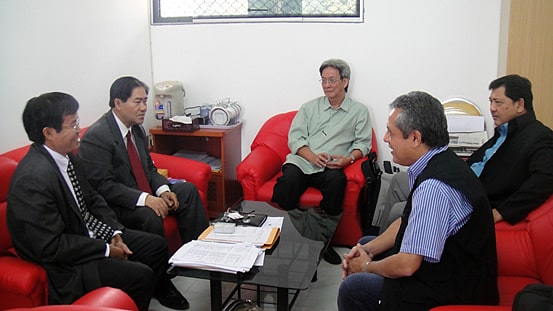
(100, 229)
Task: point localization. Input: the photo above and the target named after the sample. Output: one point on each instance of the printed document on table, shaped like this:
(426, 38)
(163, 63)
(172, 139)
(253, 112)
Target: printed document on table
(264, 236)
(273, 222)
(214, 256)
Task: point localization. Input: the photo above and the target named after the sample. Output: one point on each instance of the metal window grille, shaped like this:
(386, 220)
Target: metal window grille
(229, 11)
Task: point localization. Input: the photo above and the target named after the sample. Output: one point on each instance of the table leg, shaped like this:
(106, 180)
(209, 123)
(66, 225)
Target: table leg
(282, 299)
(216, 291)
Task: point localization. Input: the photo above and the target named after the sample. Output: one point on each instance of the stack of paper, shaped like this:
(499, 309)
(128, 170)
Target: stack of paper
(213, 256)
(259, 236)
(464, 144)
(229, 252)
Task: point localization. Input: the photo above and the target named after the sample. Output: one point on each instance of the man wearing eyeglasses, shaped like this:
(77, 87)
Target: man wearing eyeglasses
(327, 134)
(58, 221)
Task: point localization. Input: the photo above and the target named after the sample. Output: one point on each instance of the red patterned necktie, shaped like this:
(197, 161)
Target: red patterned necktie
(136, 165)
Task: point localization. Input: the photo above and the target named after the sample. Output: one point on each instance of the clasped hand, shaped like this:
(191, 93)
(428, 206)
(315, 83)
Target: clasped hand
(331, 161)
(118, 248)
(161, 205)
(355, 261)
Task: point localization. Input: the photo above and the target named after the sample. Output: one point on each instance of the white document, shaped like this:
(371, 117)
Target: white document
(214, 256)
(273, 222)
(257, 236)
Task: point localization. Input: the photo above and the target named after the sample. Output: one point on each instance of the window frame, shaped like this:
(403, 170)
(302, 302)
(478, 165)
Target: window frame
(158, 20)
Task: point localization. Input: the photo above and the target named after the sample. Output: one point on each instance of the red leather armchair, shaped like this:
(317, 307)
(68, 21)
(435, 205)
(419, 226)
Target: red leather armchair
(192, 171)
(25, 284)
(22, 283)
(259, 170)
(524, 254)
(101, 299)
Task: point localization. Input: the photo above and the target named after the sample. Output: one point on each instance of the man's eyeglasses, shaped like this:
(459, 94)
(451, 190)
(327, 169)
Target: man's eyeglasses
(331, 80)
(74, 126)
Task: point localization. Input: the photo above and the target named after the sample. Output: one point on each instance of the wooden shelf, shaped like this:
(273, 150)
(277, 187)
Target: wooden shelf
(223, 189)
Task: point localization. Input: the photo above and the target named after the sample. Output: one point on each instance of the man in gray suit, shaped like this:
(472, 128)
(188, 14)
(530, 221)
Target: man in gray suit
(59, 222)
(114, 153)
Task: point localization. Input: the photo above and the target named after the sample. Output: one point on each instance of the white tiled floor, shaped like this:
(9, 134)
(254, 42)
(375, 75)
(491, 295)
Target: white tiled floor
(320, 296)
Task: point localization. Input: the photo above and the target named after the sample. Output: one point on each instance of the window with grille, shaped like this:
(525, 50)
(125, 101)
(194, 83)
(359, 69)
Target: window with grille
(229, 11)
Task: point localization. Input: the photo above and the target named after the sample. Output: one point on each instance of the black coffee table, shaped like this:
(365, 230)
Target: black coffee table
(289, 265)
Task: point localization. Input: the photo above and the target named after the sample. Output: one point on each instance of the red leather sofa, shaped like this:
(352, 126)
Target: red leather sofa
(101, 299)
(524, 254)
(259, 170)
(24, 284)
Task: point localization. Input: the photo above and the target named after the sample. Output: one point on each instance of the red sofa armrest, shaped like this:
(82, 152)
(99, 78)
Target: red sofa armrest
(107, 297)
(354, 174)
(260, 165)
(101, 299)
(192, 171)
(22, 283)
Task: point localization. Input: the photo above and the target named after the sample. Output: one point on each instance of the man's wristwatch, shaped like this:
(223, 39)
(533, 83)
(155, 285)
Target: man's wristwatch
(352, 159)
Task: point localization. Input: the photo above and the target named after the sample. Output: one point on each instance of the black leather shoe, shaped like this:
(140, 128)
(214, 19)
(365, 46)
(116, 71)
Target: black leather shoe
(170, 297)
(331, 256)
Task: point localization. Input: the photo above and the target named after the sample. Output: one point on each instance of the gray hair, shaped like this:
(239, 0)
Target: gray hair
(340, 65)
(422, 112)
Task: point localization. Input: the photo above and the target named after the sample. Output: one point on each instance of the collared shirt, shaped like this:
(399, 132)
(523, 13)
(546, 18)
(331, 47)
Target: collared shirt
(324, 129)
(438, 211)
(62, 161)
(478, 167)
(124, 130)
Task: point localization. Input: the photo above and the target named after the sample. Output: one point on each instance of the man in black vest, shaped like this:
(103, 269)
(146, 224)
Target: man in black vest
(442, 250)
(519, 138)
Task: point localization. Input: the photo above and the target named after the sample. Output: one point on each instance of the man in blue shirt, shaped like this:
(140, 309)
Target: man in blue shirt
(514, 166)
(443, 247)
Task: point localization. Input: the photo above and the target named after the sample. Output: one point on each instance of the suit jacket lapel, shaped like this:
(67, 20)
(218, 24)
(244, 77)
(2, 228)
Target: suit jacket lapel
(139, 141)
(66, 191)
(119, 142)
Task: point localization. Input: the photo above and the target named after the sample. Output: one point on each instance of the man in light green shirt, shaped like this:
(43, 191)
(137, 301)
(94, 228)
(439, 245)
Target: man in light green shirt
(327, 134)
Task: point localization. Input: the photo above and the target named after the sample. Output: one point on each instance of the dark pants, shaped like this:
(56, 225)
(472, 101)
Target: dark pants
(293, 183)
(191, 217)
(145, 268)
(314, 223)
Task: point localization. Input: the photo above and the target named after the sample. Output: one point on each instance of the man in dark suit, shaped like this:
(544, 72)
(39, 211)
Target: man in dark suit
(59, 222)
(140, 196)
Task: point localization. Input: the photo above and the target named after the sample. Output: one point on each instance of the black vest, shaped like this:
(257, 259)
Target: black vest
(467, 271)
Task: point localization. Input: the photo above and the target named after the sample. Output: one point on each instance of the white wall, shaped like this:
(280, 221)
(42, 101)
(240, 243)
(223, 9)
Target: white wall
(77, 47)
(448, 48)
